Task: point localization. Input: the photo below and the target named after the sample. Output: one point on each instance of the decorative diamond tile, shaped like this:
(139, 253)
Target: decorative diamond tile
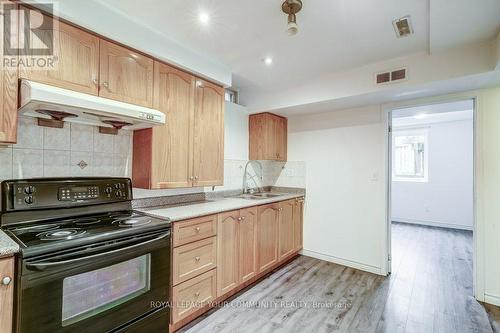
(82, 164)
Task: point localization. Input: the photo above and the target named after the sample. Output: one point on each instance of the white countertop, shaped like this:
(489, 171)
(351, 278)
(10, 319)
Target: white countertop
(188, 211)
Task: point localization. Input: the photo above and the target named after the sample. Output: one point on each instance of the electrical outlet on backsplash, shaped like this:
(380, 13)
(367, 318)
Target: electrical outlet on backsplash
(74, 150)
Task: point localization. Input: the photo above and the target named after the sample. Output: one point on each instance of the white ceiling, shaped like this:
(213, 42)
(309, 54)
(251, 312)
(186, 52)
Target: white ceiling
(334, 35)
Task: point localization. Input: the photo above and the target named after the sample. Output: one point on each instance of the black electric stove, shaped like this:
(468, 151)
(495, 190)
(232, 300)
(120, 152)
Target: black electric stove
(87, 260)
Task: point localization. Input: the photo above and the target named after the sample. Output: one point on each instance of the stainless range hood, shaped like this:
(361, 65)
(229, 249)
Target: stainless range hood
(52, 103)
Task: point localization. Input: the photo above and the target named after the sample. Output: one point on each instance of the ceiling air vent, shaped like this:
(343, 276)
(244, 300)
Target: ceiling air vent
(391, 76)
(403, 26)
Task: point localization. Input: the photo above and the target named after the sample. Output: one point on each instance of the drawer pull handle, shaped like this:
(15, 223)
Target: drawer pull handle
(197, 259)
(6, 280)
(197, 229)
(197, 294)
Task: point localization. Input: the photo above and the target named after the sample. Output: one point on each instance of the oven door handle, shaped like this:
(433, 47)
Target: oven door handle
(42, 266)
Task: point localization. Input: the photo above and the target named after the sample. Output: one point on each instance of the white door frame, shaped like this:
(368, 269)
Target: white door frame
(478, 269)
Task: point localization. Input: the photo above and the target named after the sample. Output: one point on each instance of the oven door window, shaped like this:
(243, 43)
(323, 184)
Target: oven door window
(89, 293)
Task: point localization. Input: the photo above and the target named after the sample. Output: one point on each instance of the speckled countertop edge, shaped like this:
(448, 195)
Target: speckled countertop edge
(8, 246)
(197, 209)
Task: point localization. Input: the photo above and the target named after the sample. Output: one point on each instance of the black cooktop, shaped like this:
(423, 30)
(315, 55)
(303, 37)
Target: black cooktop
(49, 235)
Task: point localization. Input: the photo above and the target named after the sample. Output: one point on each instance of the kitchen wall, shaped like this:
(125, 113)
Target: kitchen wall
(345, 205)
(75, 150)
(446, 199)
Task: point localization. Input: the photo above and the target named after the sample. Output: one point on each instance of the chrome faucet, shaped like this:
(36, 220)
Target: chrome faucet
(256, 188)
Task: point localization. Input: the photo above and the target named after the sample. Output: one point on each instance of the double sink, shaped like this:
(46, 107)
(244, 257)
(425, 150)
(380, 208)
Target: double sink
(258, 195)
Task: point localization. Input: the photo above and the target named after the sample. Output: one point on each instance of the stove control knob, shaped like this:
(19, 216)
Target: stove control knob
(108, 190)
(117, 186)
(28, 200)
(118, 193)
(29, 189)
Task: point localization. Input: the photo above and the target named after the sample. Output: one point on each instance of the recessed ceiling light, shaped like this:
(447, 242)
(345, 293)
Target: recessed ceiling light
(268, 61)
(203, 17)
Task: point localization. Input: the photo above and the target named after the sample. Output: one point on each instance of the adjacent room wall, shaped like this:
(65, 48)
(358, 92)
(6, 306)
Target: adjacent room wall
(345, 205)
(446, 199)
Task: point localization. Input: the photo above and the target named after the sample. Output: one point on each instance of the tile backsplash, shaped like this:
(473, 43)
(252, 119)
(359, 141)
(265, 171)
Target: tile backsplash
(72, 151)
(81, 151)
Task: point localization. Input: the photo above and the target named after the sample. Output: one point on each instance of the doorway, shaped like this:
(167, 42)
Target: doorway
(431, 194)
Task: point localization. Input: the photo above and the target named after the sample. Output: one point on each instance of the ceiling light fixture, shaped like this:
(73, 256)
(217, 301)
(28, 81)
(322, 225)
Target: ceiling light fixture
(292, 7)
(204, 18)
(268, 61)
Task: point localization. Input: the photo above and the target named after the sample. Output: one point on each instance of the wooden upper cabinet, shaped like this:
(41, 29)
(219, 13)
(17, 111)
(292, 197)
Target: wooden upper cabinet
(268, 137)
(247, 244)
(286, 228)
(125, 75)
(227, 252)
(8, 93)
(6, 294)
(77, 64)
(267, 236)
(208, 154)
(172, 143)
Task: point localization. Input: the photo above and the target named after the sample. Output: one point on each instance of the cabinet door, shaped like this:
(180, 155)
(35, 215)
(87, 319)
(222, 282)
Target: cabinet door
(298, 224)
(227, 252)
(172, 163)
(267, 236)
(77, 64)
(125, 75)
(208, 162)
(6, 295)
(8, 92)
(286, 229)
(280, 137)
(248, 244)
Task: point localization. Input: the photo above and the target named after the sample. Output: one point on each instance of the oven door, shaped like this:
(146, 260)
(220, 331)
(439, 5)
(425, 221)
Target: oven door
(97, 289)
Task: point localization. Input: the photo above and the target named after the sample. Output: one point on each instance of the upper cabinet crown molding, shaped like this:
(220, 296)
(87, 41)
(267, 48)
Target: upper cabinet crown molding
(268, 137)
(125, 75)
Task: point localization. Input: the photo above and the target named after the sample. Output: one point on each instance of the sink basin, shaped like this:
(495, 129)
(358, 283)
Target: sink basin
(257, 196)
(266, 195)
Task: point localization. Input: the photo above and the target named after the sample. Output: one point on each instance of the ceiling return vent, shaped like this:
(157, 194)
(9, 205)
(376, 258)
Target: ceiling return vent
(391, 76)
(403, 26)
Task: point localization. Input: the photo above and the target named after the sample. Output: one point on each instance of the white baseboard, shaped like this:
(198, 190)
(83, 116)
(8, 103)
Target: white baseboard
(343, 262)
(492, 299)
(432, 223)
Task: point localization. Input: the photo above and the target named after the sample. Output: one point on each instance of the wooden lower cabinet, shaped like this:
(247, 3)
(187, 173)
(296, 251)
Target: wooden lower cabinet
(193, 259)
(247, 244)
(286, 228)
(227, 251)
(190, 296)
(298, 224)
(239, 247)
(236, 250)
(267, 236)
(6, 294)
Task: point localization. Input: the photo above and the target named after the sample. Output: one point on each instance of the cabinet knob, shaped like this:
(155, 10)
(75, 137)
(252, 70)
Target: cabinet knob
(197, 229)
(6, 280)
(191, 178)
(95, 81)
(197, 294)
(105, 84)
(197, 259)
(280, 209)
(195, 177)
(243, 218)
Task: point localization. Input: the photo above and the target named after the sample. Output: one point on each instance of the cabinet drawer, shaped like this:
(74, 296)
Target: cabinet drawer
(193, 259)
(192, 295)
(195, 229)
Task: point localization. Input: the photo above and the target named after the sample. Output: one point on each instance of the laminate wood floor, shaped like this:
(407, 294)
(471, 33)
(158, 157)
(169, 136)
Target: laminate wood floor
(429, 290)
